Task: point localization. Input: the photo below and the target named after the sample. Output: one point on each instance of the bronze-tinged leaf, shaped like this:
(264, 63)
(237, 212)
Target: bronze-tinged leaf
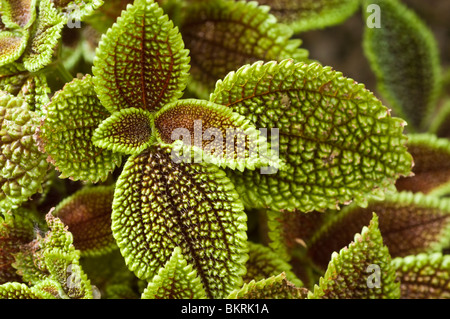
(141, 61)
(18, 13)
(87, 213)
(16, 229)
(431, 169)
(160, 205)
(224, 35)
(409, 223)
(424, 276)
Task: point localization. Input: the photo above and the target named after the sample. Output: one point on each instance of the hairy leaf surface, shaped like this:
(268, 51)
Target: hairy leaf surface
(22, 166)
(141, 61)
(304, 15)
(404, 56)
(351, 272)
(87, 214)
(221, 136)
(410, 224)
(176, 280)
(431, 165)
(66, 132)
(127, 131)
(18, 14)
(424, 276)
(159, 205)
(12, 45)
(339, 142)
(224, 35)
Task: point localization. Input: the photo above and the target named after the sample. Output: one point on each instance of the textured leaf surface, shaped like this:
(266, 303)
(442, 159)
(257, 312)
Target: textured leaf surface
(15, 290)
(224, 35)
(77, 10)
(12, 77)
(431, 169)
(159, 205)
(264, 263)
(53, 257)
(66, 132)
(223, 138)
(176, 280)
(288, 230)
(16, 229)
(141, 61)
(87, 214)
(44, 37)
(127, 131)
(18, 14)
(275, 287)
(404, 56)
(12, 45)
(304, 15)
(23, 167)
(348, 275)
(410, 224)
(339, 142)
(424, 276)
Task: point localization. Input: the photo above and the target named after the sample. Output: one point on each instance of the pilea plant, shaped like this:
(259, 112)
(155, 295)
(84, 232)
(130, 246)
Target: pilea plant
(204, 154)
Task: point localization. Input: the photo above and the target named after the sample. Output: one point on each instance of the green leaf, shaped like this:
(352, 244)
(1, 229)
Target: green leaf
(176, 280)
(441, 124)
(159, 205)
(44, 37)
(404, 57)
(224, 35)
(362, 270)
(15, 290)
(12, 77)
(141, 61)
(289, 230)
(215, 133)
(105, 16)
(16, 229)
(410, 224)
(275, 287)
(305, 15)
(18, 14)
(424, 276)
(76, 10)
(55, 258)
(23, 166)
(87, 214)
(66, 132)
(12, 45)
(126, 131)
(339, 142)
(431, 165)
(264, 263)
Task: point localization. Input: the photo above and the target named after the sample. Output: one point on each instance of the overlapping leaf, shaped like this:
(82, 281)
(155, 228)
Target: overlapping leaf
(264, 263)
(23, 166)
(224, 35)
(409, 223)
(53, 257)
(404, 56)
(304, 15)
(15, 290)
(176, 280)
(431, 165)
(141, 61)
(127, 131)
(16, 229)
(87, 214)
(18, 14)
(361, 270)
(221, 136)
(44, 36)
(424, 276)
(66, 132)
(12, 45)
(274, 287)
(12, 77)
(339, 142)
(159, 205)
